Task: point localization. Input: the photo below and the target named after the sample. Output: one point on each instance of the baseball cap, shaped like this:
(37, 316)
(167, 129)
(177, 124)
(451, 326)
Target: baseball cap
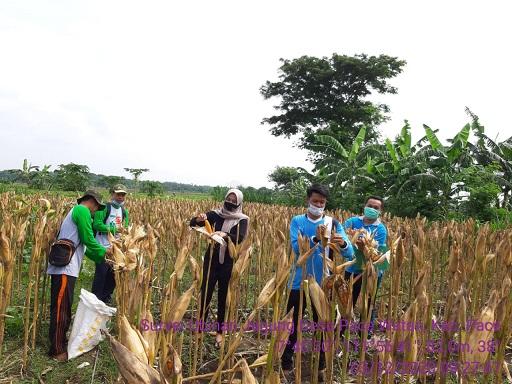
(95, 195)
(119, 188)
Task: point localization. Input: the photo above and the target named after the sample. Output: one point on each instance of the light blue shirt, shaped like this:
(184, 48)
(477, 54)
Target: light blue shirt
(377, 228)
(303, 225)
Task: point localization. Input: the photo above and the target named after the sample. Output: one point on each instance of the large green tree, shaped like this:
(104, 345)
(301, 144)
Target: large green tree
(284, 177)
(329, 95)
(72, 177)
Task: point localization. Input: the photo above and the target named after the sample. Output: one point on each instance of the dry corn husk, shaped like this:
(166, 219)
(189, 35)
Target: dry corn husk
(181, 262)
(131, 340)
(284, 329)
(371, 279)
(266, 293)
(343, 290)
(178, 309)
(305, 256)
(400, 251)
(260, 360)
(283, 265)
(242, 262)
(196, 271)
(130, 367)
(135, 234)
(6, 277)
(150, 338)
(273, 378)
(118, 257)
(247, 376)
(319, 300)
(475, 337)
(171, 366)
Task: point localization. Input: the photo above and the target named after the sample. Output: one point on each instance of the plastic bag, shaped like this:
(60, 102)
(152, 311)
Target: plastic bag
(91, 316)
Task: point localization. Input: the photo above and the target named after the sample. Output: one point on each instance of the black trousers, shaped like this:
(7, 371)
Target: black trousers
(356, 291)
(289, 350)
(104, 282)
(219, 273)
(62, 288)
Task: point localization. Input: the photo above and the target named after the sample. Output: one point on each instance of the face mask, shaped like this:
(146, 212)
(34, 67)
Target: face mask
(315, 211)
(230, 206)
(117, 203)
(371, 213)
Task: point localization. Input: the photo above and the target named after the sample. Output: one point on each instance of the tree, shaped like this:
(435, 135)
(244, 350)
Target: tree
(24, 174)
(42, 179)
(285, 176)
(72, 177)
(109, 181)
(487, 152)
(329, 96)
(346, 171)
(482, 188)
(136, 172)
(152, 188)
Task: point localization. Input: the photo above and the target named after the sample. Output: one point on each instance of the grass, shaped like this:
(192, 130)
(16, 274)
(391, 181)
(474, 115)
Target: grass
(42, 369)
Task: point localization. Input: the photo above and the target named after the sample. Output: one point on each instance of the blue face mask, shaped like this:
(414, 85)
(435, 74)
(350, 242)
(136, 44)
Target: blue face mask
(371, 213)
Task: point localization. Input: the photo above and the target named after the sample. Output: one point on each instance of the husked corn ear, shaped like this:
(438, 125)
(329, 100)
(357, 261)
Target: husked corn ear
(208, 226)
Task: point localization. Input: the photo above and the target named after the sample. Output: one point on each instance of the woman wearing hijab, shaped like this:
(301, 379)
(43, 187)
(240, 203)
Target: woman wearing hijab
(228, 221)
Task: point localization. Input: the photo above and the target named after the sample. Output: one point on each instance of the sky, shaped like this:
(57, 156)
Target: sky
(173, 86)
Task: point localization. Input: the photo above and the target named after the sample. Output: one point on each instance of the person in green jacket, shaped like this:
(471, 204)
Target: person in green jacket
(112, 219)
(77, 228)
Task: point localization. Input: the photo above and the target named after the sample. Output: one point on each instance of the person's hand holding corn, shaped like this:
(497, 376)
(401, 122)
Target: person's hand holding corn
(338, 239)
(201, 217)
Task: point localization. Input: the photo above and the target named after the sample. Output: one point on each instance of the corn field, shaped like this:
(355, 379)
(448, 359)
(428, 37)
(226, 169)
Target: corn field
(444, 306)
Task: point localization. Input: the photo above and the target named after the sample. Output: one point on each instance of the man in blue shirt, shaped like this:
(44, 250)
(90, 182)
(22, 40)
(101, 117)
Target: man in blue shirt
(373, 225)
(308, 225)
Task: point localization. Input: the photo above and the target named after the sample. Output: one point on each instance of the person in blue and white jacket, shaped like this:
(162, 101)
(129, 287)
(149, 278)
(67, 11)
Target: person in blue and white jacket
(370, 221)
(307, 224)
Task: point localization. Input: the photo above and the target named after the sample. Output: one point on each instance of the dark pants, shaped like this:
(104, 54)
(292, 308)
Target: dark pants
(356, 290)
(104, 282)
(287, 357)
(62, 287)
(219, 273)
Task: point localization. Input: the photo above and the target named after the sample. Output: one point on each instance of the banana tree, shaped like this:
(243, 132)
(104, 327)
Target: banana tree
(424, 170)
(341, 168)
(486, 152)
(24, 174)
